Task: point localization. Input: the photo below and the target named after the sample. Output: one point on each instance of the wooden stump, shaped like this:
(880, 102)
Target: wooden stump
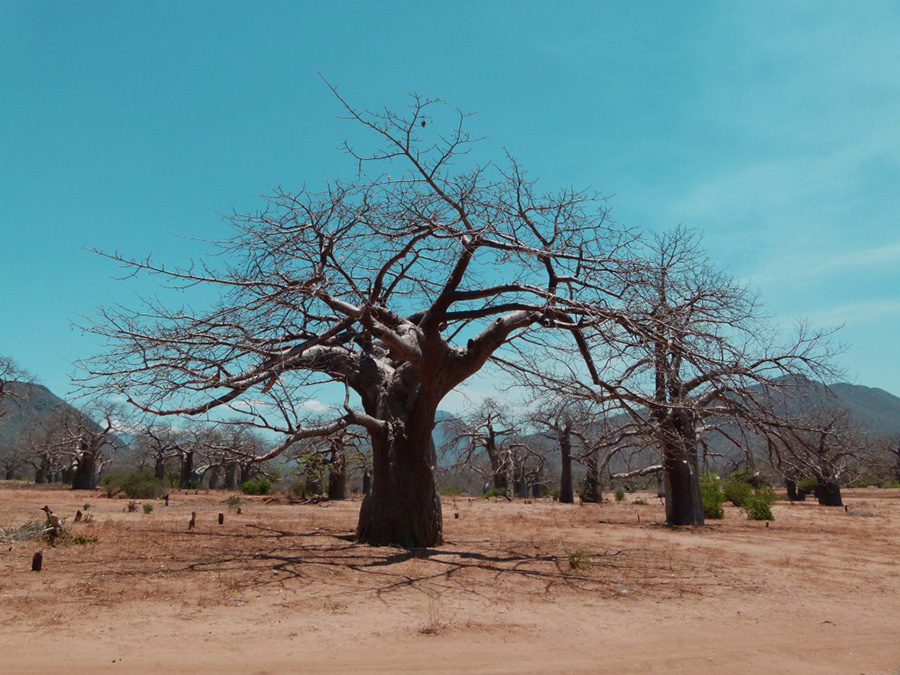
(221, 518)
(37, 561)
(193, 520)
(78, 515)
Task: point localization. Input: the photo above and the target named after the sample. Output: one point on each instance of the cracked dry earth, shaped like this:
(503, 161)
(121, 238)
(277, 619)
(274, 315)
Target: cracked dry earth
(522, 587)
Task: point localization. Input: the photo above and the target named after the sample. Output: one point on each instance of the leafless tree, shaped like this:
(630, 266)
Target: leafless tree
(690, 349)
(484, 437)
(83, 443)
(400, 286)
(826, 444)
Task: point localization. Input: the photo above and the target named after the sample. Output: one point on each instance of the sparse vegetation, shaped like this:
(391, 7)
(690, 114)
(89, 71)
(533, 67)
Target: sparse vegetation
(737, 492)
(620, 494)
(233, 502)
(580, 561)
(758, 508)
(148, 508)
(257, 486)
(132, 507)
(712, 497)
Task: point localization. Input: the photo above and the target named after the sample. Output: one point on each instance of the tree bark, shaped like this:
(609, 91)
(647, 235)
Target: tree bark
(791, 486)
(230, 474)
(159, 469)
(404, 506)
(566, 489)
(85, 474)
(337, 478)
(828, 493)
(684, 505)
(593, 486)
(215, 474)
(187, 470)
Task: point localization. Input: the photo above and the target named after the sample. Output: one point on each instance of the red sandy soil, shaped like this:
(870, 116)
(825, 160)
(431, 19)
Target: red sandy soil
(521, 587)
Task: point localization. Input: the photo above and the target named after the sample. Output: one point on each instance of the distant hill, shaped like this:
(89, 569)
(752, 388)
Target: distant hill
(29, 404)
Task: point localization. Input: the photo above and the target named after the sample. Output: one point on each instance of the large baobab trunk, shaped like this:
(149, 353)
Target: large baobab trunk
(85, 474)
(498, 471)
(42, 473)
(337, 478)
(230, 476)
(404, 506)
(828, 493)
(159, 469)
(215, 475)
(593, 486)
(187, 470)
(566, 489)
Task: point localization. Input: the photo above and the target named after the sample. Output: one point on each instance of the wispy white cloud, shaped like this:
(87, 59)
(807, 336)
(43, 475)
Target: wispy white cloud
(857, 313)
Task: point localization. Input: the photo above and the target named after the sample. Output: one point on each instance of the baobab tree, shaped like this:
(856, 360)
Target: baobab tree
(399, 286)
(825, 444)
(687, 349)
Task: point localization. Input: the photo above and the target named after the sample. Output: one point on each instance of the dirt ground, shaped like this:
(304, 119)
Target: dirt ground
(523, 587)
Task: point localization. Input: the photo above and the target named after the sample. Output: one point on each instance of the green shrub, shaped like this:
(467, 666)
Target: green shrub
(768, 494)
(641, 502)
(233, 502)
(132, 507)
(620, 494)
(495, 492)
(758, 508)
(148, 508)
(451, 492)
(711, 496)
(135, 484)
(258, 486)
(737, 492)
(808, 484)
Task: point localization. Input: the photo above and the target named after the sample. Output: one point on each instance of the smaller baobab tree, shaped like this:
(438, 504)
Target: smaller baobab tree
(825, 444)
(687, 348)
(486, 433)
(84, 443)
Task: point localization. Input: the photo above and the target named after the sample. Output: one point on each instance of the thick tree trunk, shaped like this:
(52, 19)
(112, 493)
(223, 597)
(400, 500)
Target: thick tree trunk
(566, 489)
(159, 469)
(85, 475)
(230, 476)
(593, 486)
(829, 493)
(187, 470)
(337, 478)
(215, 475)
(404, 506)
(498, 472)
(684, 505)
(42, 473)
(366, 482)
(246, 472)
(791, 486)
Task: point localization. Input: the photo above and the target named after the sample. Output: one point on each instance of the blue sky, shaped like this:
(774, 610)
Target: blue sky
(773, 127)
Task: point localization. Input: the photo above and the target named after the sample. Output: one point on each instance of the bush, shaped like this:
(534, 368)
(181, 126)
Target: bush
(768, 494)
(738, 492)
(258, 486)
(620, 494)
(711, 496)
(148, 508)
(809, 484)
(495, 492)
(233, 501)
(758, 508)
(132, 507)
(135, 484)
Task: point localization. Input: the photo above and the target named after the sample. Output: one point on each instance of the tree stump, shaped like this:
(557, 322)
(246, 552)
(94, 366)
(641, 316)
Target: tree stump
(193, 520)
(78, 515)
(37, 561)
(167, 499)
(221, 519)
